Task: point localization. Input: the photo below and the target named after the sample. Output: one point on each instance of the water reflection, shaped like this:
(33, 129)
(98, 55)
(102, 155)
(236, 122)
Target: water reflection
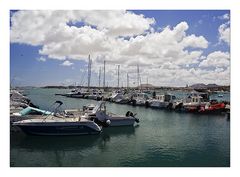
(62, 150)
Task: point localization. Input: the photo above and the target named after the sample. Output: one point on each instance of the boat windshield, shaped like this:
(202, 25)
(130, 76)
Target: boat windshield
(100, 106)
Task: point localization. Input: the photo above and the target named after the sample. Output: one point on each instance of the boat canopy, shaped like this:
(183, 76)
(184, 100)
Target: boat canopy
(29, 109)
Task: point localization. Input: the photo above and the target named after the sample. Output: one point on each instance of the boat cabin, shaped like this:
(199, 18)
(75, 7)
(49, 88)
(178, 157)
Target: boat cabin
(166, 98)
(194, 99)
(143, 96)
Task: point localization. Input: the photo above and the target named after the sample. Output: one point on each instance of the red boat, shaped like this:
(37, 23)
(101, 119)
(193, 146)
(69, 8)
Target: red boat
(212, 108)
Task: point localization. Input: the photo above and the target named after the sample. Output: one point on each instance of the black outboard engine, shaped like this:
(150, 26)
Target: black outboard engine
(106, 123)
(130, 114)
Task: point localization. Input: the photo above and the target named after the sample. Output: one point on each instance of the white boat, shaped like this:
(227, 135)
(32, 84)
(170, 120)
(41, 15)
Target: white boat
(193, 103)
(96, 95)
(117, 95)
(75, 94)
(163, 101)
(122, 98)
(86, 109)
(56, 123)
(100, 114)
(140, 99)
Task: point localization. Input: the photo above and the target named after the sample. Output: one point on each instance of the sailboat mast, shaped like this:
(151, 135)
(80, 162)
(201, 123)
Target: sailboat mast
(147, 83)
(99, 79)
(89, 70)
(127, 80)
(138, 76)
(118, 75)
(104, 63)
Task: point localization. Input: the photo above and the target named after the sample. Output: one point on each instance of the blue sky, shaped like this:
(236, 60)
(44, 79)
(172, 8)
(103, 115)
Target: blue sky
(44, 47)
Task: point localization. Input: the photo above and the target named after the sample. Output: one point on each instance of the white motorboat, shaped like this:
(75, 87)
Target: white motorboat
(75, 94)
(100, 114)
(116, 95)
(96, 95)
(140, 99)
(163, 101)
(56, 123)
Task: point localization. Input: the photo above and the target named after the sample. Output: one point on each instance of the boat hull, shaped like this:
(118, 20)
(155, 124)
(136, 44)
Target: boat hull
(158, 105)
(71, 129)
(121, 122)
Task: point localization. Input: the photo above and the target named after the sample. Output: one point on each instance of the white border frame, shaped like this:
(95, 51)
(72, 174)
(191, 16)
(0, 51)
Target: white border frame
(6, 6)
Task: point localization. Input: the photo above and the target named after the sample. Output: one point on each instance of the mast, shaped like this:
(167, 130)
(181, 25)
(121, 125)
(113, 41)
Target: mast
(127, 80)
(99, 79)
(104, 63)
(118, 75)
(138, 76)
(89, 70)
(147, 83)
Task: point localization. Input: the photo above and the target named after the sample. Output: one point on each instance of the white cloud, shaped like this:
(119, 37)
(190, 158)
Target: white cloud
(224, 32)
(81, 42)
(41, 59)
(67, 63)
(118, 23)
(121, 37)
(224, 17)
(38, 27)
(194, 41)
(216, 59)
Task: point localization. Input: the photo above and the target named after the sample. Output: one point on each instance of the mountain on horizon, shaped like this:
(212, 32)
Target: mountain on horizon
(201, 85)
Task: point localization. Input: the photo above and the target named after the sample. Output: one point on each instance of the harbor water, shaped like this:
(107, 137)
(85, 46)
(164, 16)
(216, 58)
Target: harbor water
(162, 139)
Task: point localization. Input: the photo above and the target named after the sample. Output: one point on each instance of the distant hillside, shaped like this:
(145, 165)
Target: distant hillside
(146, 86)
(201, 85)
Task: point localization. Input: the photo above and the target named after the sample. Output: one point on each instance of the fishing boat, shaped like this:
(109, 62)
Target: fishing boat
(57, 123)
(163, 101)
(213, 107)
(140, 99)
(193, 103)
(100, 115)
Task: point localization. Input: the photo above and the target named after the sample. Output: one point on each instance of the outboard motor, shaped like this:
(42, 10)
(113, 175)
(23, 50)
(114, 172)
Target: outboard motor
(106, 123)
(130, 114)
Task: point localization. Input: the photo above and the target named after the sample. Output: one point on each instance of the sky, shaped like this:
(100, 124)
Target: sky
(171, 47)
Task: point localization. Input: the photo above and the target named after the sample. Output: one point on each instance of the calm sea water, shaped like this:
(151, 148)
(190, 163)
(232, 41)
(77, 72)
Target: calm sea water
(161, 139)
